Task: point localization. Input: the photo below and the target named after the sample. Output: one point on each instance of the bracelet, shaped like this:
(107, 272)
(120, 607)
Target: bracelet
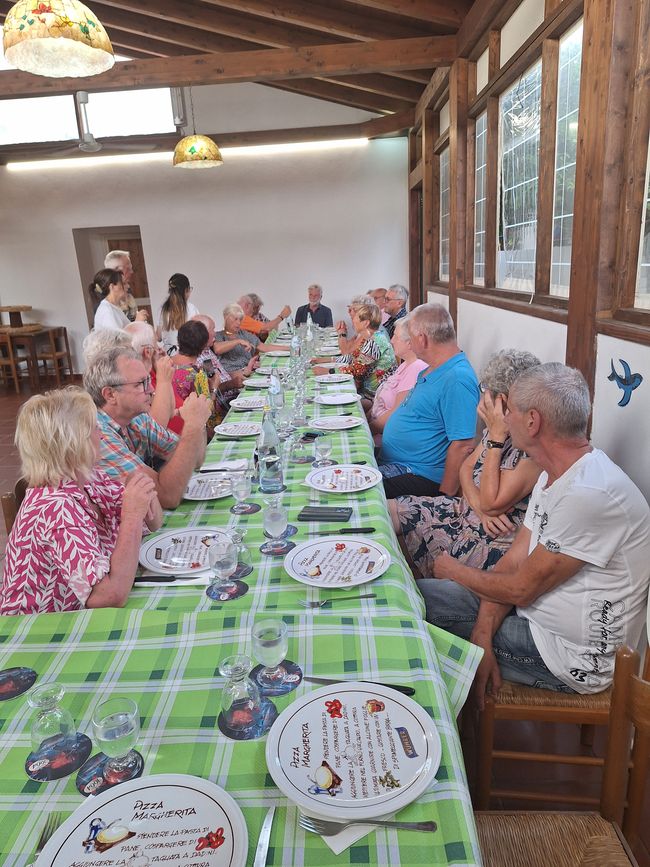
(494, 444)
(332, 370)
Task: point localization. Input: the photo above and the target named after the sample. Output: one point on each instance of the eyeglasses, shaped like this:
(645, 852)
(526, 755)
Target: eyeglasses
(145, 383)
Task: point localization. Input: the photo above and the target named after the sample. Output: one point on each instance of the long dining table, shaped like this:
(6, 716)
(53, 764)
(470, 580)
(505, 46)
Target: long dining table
(164, 649)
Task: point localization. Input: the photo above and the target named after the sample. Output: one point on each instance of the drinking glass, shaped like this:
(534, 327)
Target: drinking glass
(275, 523)
(283, 424)
(270, 465)
(116, 724)
(322, 450)
(270, 646)
(244, 559)
(241, 490)
(222, 557)
(241, 703)
(50, 720)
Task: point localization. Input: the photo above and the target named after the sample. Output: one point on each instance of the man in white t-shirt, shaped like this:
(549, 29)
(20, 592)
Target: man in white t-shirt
(578, 571)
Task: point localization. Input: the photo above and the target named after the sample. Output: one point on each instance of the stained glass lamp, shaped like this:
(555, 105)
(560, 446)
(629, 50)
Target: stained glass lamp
(197, 152)
(60, 39)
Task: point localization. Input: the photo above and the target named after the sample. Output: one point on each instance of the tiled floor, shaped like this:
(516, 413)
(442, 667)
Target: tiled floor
(552, 778)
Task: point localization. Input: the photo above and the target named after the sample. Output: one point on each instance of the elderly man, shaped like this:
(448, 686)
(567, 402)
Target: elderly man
(320, 314)
(395, 306)
(578, 571)
(379, 297)
(253, 326)
(432, 431)
(130, 439)
(159, 367)
(120, 260)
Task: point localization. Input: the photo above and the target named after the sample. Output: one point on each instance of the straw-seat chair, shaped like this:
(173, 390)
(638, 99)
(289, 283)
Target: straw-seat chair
(564, 839)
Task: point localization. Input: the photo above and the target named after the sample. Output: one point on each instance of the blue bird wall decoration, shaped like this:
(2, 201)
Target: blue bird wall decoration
(627, 382)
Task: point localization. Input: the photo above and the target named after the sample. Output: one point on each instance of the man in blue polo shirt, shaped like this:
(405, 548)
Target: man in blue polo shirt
(320, 314)
(431, 432)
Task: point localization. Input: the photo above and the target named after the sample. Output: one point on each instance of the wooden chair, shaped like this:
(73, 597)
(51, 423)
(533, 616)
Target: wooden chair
(563, 839)
(9, 361)
(11, 502)
(57, 352)
(517, 702)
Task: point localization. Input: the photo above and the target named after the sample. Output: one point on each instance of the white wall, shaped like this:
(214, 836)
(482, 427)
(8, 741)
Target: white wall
(622, 431)
(526, 18)
(483, 330)
(270, 224)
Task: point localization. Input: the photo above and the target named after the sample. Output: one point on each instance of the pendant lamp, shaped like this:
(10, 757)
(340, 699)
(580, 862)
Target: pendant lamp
(196, 151)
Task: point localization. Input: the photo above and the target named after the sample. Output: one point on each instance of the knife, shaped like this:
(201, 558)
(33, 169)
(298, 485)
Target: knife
(263, 842)
(165, 579)
(406, 690)
(342, 530)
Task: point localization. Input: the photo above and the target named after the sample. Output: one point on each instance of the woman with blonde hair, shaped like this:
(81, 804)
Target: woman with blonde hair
(176, 310)
(76, 539)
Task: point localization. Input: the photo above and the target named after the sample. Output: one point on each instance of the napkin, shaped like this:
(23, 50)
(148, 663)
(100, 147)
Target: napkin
(342, 841)
(235, 466)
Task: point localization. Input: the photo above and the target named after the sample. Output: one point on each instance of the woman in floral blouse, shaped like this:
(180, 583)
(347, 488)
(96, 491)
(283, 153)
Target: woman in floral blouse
(189, 376)
(76, 539)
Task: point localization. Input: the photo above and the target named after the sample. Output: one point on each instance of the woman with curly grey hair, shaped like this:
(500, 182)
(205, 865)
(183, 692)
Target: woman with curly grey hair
(496, 480)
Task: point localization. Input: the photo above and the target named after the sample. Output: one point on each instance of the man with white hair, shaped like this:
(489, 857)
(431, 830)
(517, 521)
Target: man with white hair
(320, 314)
(120, 260)
(130, 439)
(574, 584)
(395, 305)
(253, 326)
(159, 367)
(431, 432)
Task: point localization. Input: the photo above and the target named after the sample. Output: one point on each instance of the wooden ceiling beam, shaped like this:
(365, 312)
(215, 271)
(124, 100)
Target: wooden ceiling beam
(258, 66)
(342, 95)
(478, 21)
(442, 13)
(382, 84)
(432, 92)
(337, 19)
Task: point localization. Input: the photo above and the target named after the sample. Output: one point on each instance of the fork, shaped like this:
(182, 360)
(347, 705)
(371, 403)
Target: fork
(329, 829)
(320, 602)
(52, 824)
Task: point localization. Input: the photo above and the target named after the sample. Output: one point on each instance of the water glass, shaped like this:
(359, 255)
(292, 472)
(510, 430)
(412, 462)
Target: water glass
(116, 724)
(322, 451)
(271, 473)
(241, 490)
(270, 647)
(50, 720)
(275, 523)
(241, 703)
(244, 559)
(222, 557)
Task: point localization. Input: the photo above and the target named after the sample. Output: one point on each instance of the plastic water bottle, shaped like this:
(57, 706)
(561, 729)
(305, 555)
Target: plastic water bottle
(269, 457)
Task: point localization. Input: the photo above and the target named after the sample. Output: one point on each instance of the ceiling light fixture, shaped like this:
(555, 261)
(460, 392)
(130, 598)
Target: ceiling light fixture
(196, 151)
(59, 39)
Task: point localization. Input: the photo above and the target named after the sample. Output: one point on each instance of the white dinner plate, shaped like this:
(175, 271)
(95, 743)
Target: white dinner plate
(278, 353)
(353, 751)
(238, 429)
(260, 382)
(337, 561)
(336, 422)
(181, 552)
(343, 479)
(338, 398)
(165, 814)
(333, 378)
(242, 403)
(264, 371)
(208, 486)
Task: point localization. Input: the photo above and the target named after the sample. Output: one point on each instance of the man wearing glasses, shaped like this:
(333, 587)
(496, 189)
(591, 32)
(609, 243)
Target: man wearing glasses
(395, 306)
(119, 385)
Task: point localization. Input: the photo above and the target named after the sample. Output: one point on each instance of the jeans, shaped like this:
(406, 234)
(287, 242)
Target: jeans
(389, 471)
(455, 609)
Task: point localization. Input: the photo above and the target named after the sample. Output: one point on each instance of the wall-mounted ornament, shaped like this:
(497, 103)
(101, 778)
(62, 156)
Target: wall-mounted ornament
(627, 382)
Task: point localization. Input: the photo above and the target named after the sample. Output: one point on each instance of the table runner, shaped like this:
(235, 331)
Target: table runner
(168, 662)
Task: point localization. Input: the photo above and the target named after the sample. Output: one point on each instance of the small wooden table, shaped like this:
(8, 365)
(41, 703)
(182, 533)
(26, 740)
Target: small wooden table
(15, 312)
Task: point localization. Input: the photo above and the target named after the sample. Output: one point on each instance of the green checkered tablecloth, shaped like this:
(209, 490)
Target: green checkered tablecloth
(271, 589)
(168, 661)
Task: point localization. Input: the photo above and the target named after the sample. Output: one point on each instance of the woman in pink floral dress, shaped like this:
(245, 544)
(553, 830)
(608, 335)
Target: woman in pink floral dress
(76, 538)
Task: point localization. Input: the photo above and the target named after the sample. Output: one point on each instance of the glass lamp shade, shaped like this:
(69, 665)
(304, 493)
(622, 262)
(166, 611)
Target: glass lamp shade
(60, 39)
(197, 152)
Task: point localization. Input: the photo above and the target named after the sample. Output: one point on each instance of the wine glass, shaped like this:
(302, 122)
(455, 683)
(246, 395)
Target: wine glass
(322, 450)
(222, 557)
(275, 523)
(241, 490)
(116, 724)
(270, 646)
(50, 720)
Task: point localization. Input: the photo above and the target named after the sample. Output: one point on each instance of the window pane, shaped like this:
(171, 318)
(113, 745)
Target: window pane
(565, 158)
(444, 215)
(519, 114)
(479, 200)
(130, 112)
(642, 298)
(40, 118)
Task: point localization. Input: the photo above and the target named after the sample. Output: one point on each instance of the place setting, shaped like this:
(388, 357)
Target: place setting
(337, 398)
(337, 561)
(181, 554)
(236, 429)
(343, 479)
(333, 378)
(208, 486)
(247, 404)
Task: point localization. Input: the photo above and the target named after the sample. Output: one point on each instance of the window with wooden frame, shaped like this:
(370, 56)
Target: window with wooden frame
(642, 294)
(480, 198)
(443, 273)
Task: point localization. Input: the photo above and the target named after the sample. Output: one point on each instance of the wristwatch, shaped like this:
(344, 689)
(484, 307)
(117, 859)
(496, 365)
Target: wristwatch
(494, 444)
(332, 370)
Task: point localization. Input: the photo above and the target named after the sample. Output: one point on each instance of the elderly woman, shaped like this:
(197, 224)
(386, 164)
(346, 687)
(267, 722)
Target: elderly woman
(371, 358)
(496, 479)
(108, 288)
(234, 346)
(190, 376)
(76, 539)
(175, 311)
(395, 387)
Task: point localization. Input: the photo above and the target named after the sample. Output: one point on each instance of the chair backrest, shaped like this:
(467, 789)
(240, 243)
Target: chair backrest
(630, 709)
(11, 502)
